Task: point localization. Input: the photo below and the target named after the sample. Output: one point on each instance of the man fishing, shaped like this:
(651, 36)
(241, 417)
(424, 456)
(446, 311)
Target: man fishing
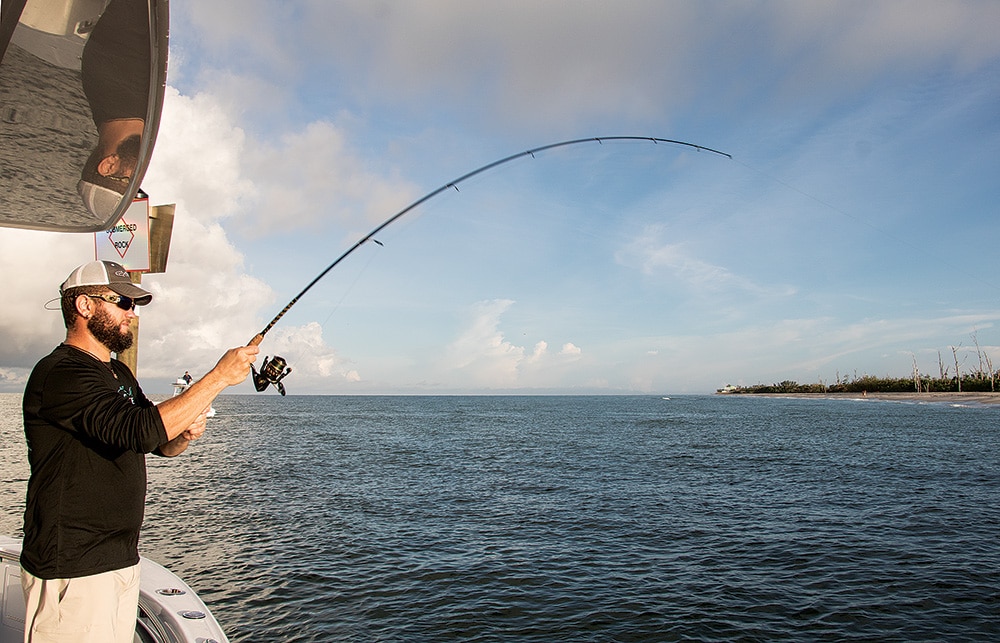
(88, 427)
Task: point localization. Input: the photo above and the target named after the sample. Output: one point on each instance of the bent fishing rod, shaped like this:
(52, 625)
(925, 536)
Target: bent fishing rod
(272, 371)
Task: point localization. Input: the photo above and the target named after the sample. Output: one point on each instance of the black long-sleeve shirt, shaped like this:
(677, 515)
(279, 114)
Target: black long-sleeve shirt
(115, 65)
(88, 426)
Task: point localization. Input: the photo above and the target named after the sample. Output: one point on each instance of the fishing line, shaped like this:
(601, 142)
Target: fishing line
(349, 289)
(272, 371)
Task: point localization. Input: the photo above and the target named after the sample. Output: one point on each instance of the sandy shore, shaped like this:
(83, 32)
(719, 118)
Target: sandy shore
(928, 398)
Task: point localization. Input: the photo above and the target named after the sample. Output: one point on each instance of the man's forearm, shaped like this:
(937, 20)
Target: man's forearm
(175, 447)
(180, 411)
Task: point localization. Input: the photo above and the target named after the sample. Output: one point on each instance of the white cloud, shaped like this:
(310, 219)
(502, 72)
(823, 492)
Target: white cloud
(316, 366)
(563, 62)
(541, 348)
(35, 264)
(482, 356)
(207, 165)
(863, 38)
(571, 350)
(197, 161)
(481, 353)
(205, 302)
(651, 255)
(313, 176)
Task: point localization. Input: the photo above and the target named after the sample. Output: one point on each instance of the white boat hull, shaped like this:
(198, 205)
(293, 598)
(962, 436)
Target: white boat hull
(169, 610)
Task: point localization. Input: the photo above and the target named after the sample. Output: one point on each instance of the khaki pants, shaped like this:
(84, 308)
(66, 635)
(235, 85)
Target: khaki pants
(91, 609)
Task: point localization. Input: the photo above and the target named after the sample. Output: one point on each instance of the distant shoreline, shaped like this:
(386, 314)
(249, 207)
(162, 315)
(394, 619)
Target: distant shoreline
(929, 398)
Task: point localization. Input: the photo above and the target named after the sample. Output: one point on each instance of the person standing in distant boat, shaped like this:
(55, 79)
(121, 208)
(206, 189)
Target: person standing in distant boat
(187, 377)
(88, 428)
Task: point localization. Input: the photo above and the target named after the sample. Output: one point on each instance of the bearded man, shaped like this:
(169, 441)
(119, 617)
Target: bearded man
(88, 427)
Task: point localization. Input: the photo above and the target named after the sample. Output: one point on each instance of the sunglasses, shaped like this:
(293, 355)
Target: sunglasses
(123, 302)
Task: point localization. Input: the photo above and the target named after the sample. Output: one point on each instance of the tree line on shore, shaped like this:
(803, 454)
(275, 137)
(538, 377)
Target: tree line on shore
(872, 384)
(975, 380)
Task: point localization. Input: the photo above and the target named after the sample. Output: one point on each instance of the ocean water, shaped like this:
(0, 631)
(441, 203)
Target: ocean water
(703, 518)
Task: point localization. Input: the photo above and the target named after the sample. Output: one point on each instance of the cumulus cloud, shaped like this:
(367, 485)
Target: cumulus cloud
(571, 350)
(220, 180)
(482, 356)
(35, 264)
(219, 176)
(316, 365)
(205, 160)
(541, 348)
(206, 301)
(482, 352)
(313, 176)
(197, 160)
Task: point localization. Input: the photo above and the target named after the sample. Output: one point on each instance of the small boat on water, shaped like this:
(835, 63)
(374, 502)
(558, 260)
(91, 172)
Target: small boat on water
(169, 610)
(181, 384)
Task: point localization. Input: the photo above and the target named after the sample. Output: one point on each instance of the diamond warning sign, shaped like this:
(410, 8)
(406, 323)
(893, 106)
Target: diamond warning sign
(121, 236)
(127, 241)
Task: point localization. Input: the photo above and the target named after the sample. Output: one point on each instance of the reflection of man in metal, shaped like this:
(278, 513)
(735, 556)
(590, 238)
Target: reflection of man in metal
(116, 72)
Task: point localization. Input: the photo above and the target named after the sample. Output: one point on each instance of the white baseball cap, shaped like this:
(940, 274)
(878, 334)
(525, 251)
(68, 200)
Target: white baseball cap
(110, 274)
(99, 200)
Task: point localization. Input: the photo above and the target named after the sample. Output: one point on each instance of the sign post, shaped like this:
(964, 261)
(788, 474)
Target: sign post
(140, 242)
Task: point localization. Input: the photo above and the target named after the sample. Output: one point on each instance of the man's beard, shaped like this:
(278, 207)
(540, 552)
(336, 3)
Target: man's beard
(108, 332)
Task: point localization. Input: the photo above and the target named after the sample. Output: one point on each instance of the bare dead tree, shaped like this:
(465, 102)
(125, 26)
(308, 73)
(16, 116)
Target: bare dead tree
(979, 353)
(958, 372)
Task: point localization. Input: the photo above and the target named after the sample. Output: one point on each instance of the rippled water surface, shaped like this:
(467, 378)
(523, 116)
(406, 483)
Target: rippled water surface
(578, 518)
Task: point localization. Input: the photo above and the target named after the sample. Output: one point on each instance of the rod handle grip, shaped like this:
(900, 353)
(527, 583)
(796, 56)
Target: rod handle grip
(257, 339)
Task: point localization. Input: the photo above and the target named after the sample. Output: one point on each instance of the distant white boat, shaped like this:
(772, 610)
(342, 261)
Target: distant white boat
(181, 385)
(169, 610)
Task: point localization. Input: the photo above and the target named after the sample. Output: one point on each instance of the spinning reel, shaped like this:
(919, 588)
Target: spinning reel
(271, 372)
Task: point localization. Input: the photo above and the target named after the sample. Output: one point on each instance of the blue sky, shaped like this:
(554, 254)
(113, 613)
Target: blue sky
(853, 232)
